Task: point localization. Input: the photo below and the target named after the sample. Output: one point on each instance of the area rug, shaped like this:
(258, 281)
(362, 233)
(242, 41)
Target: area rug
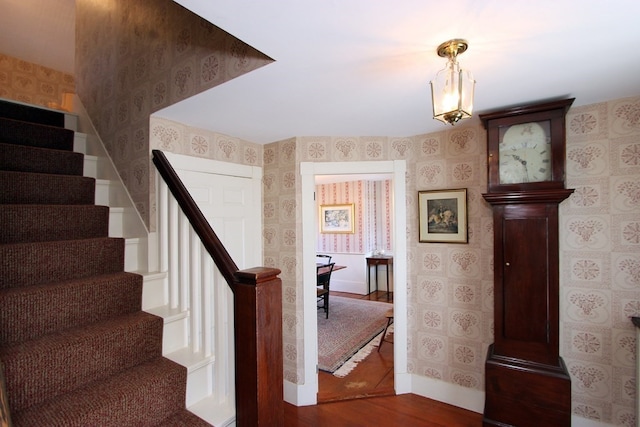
(362, 354)
(352, 323)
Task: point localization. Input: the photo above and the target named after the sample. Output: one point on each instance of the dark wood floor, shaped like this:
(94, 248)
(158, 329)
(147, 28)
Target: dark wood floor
(366, 397)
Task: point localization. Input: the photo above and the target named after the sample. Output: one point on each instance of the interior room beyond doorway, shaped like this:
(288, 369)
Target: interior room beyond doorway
(367, 199)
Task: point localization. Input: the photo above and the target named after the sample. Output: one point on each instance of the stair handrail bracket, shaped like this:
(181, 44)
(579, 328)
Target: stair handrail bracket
(257, 302)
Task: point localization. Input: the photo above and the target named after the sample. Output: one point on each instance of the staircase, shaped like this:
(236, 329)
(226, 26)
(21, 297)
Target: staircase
(75, 345)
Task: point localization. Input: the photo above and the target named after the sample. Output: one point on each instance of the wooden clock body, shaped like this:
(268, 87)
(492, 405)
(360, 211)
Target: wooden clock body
(526, 381)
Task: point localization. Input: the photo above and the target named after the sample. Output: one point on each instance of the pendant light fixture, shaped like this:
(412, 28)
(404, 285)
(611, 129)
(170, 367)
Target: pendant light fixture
(452, 88)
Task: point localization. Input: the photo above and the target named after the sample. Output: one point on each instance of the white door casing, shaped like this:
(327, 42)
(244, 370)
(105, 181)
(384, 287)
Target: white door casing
(306, 393)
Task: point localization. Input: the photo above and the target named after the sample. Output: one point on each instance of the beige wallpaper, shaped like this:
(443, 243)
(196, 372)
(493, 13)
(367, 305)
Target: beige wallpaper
(32, 83)
(136, 57)
(451, 285)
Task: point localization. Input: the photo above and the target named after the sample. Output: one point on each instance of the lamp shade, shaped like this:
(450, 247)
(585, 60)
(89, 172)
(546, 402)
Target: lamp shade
(452, 91)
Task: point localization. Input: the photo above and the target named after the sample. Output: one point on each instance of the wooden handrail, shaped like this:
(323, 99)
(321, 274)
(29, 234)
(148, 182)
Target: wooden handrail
(257, 317)
(200, 225)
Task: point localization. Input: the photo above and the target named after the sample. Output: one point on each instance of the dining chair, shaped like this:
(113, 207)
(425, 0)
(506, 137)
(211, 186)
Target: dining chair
(322, 285)
(323, 259)
(389, 316)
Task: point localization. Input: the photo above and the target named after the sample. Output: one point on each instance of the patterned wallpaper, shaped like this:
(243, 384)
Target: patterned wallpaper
(136, 57)
(122, 80)
(32, 83)
(282, 248)
(451, 285)
(372, 212)
(600, 243)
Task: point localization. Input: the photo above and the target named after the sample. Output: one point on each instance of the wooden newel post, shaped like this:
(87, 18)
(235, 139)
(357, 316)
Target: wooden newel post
(258, 348)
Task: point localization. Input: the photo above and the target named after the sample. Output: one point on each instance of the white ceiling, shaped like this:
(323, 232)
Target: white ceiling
(362, 67)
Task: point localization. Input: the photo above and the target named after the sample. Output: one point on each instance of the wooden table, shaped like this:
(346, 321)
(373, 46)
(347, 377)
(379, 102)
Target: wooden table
(335, 267)
(376, 261)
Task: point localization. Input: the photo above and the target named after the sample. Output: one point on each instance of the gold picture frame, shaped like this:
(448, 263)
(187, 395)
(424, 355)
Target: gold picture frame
(443, 216)
(337, 219)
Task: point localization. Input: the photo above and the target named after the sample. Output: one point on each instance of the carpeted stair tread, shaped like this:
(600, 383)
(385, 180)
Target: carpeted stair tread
(41, 188)
(144, 395)
(35, 135)
(25, 264)
(76, 348)
(31, 114)
(39, 223)
(184, 418)
(20, 158)
(59, 363)
(31, 312)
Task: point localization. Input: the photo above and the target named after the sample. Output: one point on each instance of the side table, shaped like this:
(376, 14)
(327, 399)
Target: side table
(377, 261)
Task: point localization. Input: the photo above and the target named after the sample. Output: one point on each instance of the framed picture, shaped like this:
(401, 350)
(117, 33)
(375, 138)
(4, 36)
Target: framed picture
(443, 216)
(337, 218)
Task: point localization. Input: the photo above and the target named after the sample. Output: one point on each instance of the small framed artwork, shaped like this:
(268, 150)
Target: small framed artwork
(337, 218)
(443, 216)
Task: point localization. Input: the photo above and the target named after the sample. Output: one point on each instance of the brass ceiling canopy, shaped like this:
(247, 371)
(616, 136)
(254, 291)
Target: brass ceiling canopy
(452, 48)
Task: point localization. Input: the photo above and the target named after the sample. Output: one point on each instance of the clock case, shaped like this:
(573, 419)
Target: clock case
(526, 380)
(554, 112)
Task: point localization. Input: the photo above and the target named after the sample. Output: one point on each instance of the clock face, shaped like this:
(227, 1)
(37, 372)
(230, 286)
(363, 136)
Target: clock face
(525, 153)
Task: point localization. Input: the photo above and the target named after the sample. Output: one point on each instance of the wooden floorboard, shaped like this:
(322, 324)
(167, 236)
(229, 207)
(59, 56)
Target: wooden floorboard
(388, 411)
(372, 377)
(366, 397)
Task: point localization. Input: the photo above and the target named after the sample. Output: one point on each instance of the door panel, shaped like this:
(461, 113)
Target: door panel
(228, 204)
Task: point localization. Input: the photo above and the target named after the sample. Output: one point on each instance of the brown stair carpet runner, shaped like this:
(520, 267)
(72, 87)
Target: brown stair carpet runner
(75, 345)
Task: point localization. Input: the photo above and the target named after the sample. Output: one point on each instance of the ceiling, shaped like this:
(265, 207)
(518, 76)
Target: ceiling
(362, 67)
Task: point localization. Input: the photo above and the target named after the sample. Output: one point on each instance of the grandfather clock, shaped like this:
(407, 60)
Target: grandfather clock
(527, 383)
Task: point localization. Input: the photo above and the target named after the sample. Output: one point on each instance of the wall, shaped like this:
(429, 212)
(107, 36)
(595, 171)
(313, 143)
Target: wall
(450, 289)
(282, 248)
(32, 83)
(372, 209)
(600, 258)
(136, 57)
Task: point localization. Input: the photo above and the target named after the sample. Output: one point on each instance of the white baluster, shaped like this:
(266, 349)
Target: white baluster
(174, 260)
(195, 312)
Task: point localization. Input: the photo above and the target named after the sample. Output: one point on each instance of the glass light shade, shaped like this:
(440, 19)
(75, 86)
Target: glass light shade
(452, 93)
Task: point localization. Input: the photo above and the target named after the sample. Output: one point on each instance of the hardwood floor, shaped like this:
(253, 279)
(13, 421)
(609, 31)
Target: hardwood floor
(372, 377)
(388, 411)
(366, 397)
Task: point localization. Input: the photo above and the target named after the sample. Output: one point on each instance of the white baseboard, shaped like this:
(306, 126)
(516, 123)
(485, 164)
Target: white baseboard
(455, 395)
(300, 394)
(584, 422)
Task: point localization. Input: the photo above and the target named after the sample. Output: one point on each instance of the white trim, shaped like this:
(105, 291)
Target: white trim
(577, 421)
(450, 393)
(307, 392)
(200, 164)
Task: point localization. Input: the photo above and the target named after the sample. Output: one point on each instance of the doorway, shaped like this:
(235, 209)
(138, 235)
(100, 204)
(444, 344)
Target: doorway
(307, 392)
(369, 372)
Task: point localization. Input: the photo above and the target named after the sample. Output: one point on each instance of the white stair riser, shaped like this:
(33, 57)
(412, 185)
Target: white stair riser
(80, 143)
(154, 291)
(199, 383)
(71, 121)
(175, 335)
